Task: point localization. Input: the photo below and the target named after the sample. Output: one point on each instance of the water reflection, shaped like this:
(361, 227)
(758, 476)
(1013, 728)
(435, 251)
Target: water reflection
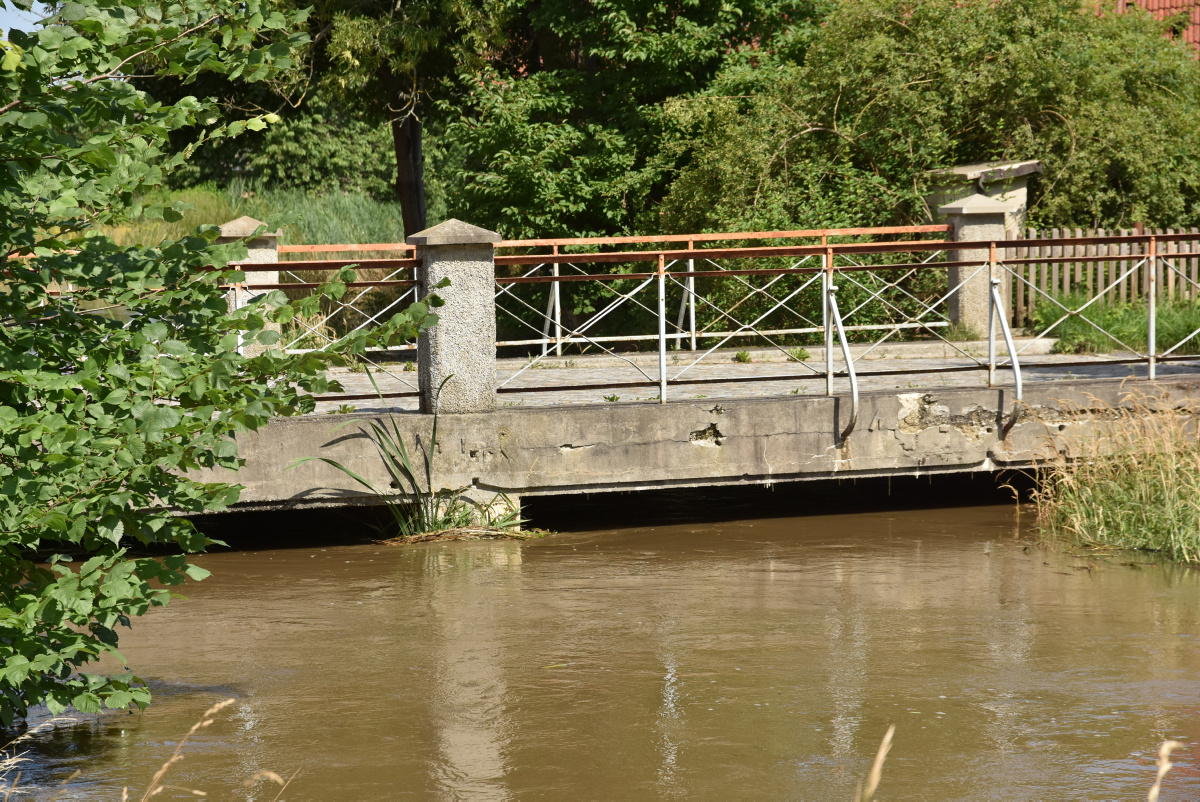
(750, 658)
(467, 593)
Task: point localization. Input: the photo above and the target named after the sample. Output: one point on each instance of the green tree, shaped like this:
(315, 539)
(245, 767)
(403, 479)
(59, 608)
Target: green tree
(563, 132)
(121, 368)
(391, 60)
(889, 89)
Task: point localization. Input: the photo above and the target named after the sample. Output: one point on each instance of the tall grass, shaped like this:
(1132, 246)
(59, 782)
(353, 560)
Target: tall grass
(1134, 485)
(333, 217)
(1128, 323)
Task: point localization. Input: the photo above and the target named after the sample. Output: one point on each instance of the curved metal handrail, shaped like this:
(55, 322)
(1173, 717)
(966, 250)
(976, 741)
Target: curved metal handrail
(836, 319)
(998, 309)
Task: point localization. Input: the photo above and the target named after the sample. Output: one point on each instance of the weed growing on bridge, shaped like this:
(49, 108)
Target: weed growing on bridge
(743, 356)
(417, 505)
(1135, 485)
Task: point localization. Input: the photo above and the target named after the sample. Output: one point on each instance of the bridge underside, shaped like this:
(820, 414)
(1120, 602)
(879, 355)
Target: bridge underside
(695, 443)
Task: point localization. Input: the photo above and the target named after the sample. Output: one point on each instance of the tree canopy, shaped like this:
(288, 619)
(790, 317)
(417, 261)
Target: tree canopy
(627, 116)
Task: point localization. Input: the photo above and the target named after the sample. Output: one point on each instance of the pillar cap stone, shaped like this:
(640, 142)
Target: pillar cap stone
(454, 232)
(981, 204)
(988, 172)
(244, 227)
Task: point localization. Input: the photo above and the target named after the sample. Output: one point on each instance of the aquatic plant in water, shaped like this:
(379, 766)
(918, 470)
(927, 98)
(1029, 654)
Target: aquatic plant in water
(419, 508)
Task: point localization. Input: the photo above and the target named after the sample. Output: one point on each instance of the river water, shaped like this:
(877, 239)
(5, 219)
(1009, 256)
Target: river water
(749, 659)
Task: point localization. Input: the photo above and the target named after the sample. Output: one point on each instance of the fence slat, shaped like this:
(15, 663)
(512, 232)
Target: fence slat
(1089, 269)
(1195, 263)
(1056, 254)
(1018, 291)
(1123, 290)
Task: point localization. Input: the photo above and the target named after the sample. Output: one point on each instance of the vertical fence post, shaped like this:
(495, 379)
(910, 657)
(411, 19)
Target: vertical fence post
(691, 292)
(826, 283)
(687, 305)
(1151, 292)
(456, 359)
(662, 329)
(263, 249)
(548, 320)
(992, 312)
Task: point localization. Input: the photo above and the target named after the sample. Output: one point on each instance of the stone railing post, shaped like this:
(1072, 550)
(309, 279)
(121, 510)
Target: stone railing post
(977, 218)
(461, 349)
(263, 249)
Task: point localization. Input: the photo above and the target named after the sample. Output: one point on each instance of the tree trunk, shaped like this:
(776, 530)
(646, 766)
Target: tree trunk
(410, 173)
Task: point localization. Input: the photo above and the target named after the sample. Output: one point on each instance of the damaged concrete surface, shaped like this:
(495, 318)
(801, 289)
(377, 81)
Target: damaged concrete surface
(642, 446)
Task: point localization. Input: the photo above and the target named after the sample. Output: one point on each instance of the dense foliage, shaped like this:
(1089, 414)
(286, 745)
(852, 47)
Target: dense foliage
(121, 367)
(624, 116)
(892, 88)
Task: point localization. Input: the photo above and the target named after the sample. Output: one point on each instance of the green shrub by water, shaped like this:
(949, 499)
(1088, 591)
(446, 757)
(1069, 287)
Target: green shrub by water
(1135, 485)
(1127, 323)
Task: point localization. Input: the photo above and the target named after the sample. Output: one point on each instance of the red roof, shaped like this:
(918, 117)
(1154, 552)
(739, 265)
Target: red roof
(1161, 9)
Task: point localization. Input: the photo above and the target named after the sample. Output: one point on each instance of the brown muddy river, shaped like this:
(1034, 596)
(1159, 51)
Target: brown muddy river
(749, 659)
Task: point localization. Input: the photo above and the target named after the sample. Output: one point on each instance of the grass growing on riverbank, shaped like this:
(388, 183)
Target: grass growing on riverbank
(1136, 485)
(1127, 323)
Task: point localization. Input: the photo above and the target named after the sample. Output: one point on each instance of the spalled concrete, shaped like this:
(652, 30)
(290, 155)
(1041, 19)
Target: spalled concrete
(695, 443)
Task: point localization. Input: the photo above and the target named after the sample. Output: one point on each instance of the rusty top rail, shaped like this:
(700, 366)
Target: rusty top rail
(810, 233)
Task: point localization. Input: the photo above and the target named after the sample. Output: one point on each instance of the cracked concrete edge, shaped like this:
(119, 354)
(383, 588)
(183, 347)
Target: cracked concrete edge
(641, 446)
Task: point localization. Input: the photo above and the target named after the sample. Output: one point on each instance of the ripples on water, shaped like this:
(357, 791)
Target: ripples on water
(761, 657)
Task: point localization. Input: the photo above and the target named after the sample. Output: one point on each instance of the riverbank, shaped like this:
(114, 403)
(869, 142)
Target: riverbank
(1135, 486)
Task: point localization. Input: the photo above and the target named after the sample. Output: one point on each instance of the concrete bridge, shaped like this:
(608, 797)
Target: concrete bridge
(885, 408)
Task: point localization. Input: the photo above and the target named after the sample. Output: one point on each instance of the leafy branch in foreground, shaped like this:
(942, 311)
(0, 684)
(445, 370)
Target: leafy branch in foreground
(121, 368)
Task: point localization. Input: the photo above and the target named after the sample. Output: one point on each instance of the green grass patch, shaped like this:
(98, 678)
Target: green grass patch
(1128, 323)
(1134, 485)
(333, 217)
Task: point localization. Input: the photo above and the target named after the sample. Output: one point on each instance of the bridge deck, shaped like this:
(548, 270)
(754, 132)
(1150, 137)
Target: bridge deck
(575, 381)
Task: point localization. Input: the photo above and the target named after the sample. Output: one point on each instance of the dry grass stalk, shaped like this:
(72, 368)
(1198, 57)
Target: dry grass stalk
(156, 786)
(1135, 484)
(876, 774)
(266, 774)
(1164, 765)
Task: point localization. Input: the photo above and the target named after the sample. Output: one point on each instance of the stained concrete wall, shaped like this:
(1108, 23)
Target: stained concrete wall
(642, 446)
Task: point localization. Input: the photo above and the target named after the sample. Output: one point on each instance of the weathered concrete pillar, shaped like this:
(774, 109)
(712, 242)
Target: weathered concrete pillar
(1007, 181)
(461, 349)
(263, 249)
(977, 218)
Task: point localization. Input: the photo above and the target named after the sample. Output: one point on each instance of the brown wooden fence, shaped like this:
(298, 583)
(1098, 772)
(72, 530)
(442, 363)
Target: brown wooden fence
(1092, 274)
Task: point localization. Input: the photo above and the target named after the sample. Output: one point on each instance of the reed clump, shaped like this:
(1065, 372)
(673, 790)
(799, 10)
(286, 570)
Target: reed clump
(1135, 484)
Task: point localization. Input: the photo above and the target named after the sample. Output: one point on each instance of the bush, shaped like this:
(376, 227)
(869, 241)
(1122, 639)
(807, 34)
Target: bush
(890, 89)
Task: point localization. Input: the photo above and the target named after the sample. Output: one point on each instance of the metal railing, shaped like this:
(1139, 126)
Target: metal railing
(667, 308)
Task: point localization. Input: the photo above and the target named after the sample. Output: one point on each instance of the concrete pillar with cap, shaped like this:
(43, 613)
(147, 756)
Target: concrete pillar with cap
(461, 349)
(977, 218)
(262, 250)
